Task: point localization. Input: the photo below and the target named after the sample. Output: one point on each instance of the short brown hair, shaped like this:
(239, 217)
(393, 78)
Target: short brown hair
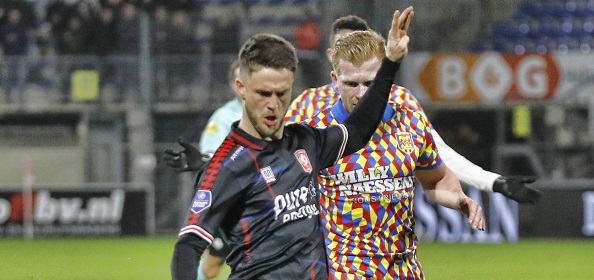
(358, 47)
(267, 50)
(350, 22)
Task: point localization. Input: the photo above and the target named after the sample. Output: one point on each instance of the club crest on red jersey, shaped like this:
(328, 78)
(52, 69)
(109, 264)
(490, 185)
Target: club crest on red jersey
(405, 142)
(301, 156)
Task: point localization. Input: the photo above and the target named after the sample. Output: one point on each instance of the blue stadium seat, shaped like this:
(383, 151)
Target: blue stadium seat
(529, 9)
(585, 9)
(506, 30)
(550, 27)
(546, 45)
(567, 43)
(524, 46)
(553, 8)
(567, 25)
(588, 26)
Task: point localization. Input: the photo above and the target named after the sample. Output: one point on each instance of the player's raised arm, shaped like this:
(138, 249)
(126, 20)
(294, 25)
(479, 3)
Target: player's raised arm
(366, 116)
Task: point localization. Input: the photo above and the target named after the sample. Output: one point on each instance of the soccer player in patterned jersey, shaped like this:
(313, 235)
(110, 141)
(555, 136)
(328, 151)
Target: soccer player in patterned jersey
(259, 186)
(367, 197)
(313, 100)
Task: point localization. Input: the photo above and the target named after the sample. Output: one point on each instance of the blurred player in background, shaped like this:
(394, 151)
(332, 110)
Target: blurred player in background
(260, 184)
(367, 198)
(219, 124)
(190, 159)
(314, 100)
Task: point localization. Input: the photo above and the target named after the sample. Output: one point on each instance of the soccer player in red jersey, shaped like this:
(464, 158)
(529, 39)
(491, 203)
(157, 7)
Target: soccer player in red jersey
(260, 185)
(367, 197)
(313, 100)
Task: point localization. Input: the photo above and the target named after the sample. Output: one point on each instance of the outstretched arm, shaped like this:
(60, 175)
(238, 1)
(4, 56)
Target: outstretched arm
(513, 187)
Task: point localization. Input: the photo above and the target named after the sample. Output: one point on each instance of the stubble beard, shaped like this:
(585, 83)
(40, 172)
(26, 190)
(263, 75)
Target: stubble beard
(262, 129)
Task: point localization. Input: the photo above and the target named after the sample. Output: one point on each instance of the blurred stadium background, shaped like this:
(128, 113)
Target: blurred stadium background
(92, 92)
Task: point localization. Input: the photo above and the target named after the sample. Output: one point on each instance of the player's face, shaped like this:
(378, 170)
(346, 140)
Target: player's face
(266, 96)
(353, 81)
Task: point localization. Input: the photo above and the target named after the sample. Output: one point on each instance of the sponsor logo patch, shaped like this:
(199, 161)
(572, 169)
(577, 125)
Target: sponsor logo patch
(267, 174)
(202, 200)
(301, 156)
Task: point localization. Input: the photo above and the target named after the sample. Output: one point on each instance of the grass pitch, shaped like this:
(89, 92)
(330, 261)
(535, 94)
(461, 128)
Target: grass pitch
(149, 258)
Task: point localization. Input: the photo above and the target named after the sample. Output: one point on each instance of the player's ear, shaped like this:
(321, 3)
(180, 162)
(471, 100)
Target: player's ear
(334, 77)
(240, 88)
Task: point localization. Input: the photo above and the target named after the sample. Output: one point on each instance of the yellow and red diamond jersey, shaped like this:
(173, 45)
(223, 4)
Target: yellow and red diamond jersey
(366, 198)
(314, 100)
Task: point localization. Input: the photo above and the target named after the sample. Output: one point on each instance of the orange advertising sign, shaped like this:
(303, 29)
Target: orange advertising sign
(489, 77)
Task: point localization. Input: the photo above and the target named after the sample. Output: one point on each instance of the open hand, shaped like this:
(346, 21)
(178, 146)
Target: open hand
(397, 45)
(473, 212)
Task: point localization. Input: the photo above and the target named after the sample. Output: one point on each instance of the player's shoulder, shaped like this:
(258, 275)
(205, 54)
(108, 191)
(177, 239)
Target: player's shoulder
(403, 96)
(232, 156)
(401, 92)
(405, 116)
(297, 128)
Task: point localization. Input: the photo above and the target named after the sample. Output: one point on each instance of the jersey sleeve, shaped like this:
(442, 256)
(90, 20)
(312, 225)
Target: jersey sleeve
(214, 133)
(466, 171)
(333, 141)
(214, 198)
(428, 156)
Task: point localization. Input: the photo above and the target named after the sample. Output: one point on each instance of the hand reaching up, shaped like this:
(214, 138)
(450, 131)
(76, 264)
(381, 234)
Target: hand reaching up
(397, 45)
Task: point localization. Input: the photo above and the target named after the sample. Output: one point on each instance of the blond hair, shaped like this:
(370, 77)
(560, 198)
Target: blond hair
(358, 47)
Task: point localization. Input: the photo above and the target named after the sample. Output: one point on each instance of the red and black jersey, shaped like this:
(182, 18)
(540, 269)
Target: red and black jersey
(263, 195)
